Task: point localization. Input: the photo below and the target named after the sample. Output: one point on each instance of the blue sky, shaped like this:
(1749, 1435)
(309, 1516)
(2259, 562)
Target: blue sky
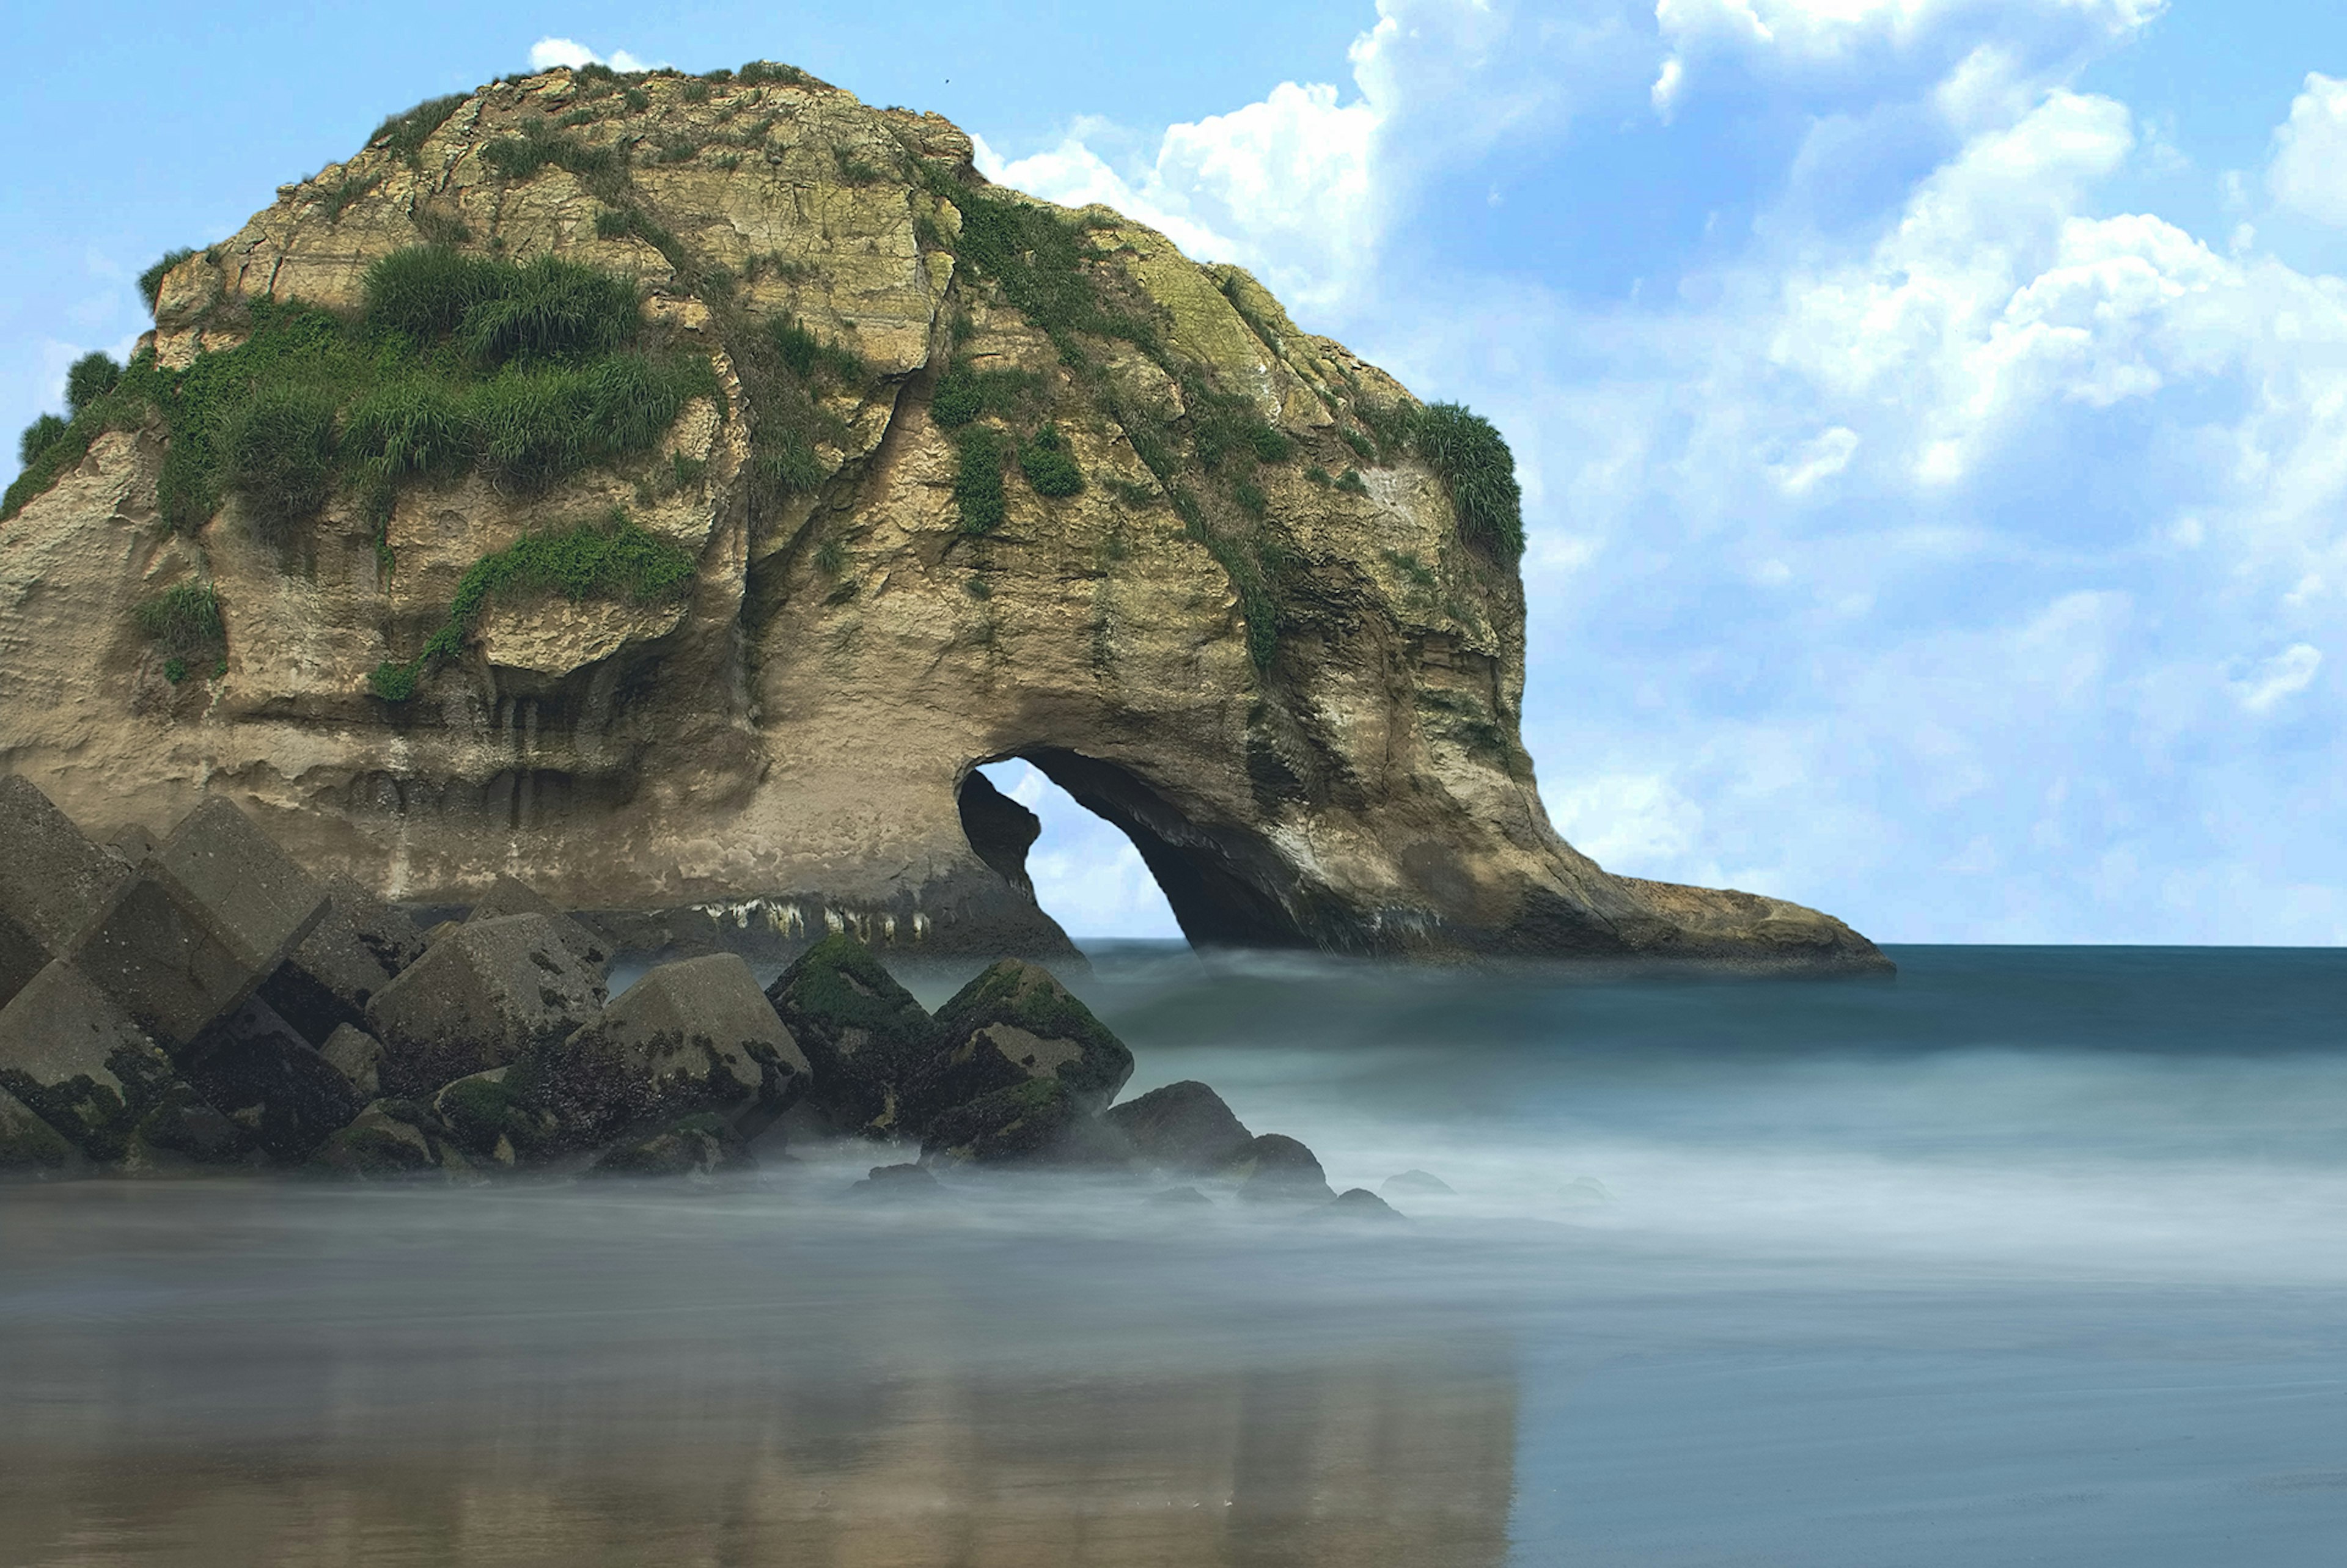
(1932, 412)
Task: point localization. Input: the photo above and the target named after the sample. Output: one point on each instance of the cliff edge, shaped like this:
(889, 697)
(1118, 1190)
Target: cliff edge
(671, 488)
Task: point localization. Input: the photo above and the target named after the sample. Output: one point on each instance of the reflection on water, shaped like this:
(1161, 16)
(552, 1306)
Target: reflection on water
(2030, 1256)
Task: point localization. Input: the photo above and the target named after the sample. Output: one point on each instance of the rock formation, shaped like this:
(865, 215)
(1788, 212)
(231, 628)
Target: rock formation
(882, 473)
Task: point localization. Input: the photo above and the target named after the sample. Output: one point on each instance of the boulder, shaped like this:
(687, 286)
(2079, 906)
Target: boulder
(75, 1059)
(358, 1057)
(30, 1146)
(54, 884)
(392, 1140)
(200, 924)
(256, 1071)
(489, 1118)
(1278, 1169)
(866, 1037)
(1015, 1022)
(1422, 1184)
(700, 1146)
(898, 1183)
(1357, 1204)
(1035, 1121)
(487, 995)
(689, 1037)
(1182, 1127)
(358, 944)
(510, 895)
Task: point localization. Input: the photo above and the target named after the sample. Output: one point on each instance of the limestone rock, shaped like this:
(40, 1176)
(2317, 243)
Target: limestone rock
(353, 952)
(200, 926)
(1182, 1127)
(256, 1070)
(700, 1146)
(392, 1140)
(358, 1057)
(482, 996)
(1013, 1022)
(1277, 1169)
(687, 1037)
(30, 1147)
(52, 882)
(72, 1055)
(865, 1036)
(1300, 698)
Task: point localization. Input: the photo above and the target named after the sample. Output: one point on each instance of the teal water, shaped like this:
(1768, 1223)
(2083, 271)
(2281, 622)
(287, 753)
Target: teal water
(2032, 1254)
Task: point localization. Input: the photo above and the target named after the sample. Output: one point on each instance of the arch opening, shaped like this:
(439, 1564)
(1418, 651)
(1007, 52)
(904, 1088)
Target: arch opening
(1107, 855)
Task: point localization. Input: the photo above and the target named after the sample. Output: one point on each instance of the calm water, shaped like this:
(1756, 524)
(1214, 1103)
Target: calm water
(2033, 1255)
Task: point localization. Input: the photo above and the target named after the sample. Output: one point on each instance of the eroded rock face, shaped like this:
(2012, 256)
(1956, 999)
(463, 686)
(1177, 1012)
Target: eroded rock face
(1255, 639)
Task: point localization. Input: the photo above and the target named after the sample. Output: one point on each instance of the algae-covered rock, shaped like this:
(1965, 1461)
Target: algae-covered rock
(1013, 1022)
(1036, 1121)
(490, 1116)
(392, 1140)
(73, 1056)
(865, 1036)
(689, 1037)
(257, 1071)
(30, 1147)
(1182, 1127)
(486, 995)
(700, 1146)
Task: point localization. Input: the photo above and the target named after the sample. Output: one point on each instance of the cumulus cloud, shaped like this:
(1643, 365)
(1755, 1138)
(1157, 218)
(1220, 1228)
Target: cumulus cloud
(2308, 174)
(2285, 675)
(550, 52)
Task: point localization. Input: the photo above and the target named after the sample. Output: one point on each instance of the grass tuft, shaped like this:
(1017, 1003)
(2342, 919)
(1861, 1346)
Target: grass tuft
(184, 622)
(1468, 452)
(404, 134)
(150, 282)
(1050, 464)
(978, 480)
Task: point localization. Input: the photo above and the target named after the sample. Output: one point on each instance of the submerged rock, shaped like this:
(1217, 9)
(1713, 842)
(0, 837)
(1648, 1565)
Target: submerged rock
(486, 1116)
(1423, 1183)
(30, 1146)
(1180, 1198)
(898, 1183)
(1035, 1121)
(392, 1140)
(1182, 1127)
(865, 1036)
(1013, 1022)
(1359, 1204)
(1277, 1169)
(485, 996)
(701, 1146)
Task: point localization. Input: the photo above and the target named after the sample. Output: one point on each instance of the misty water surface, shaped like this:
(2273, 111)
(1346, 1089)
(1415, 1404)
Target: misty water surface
(2033, 1255)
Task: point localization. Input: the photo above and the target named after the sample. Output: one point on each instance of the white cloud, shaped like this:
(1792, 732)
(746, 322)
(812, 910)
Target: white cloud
(2286, 674)
(548, 53)
(2308, 174)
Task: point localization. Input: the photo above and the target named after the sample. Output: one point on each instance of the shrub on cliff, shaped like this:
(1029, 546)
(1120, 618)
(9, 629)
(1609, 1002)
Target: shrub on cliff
(150, 282)
(1472, 460)
(277, 451)
(39, 437)
(1049, 465)
(978, 480)
(91, 377)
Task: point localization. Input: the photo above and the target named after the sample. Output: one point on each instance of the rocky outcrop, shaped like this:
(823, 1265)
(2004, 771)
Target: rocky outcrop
(968, 477)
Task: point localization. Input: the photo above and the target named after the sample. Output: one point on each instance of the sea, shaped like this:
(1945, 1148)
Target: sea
(2026, 1256)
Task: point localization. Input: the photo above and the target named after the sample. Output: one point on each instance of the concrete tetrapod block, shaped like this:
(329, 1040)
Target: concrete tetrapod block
(1037, 1122)
(203, 922)
(53, 883)
(486, 995)
(1182, 1127)
(258, 1072)
(1013, 1022)
(358, 1057)
(75, 1059)
(687, 1037)
(353, 952)
(30, 1146)
(511, 896)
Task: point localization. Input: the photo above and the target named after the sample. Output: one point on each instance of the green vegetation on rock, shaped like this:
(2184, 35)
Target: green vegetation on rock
(184, 623)
(1471, 458)
(1050, 464)
(404, 134)
(978, 478)
(150, 282)
(609, 558)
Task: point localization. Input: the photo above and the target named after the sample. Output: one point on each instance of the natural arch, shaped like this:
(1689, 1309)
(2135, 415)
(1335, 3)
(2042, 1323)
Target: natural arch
(1226, 886)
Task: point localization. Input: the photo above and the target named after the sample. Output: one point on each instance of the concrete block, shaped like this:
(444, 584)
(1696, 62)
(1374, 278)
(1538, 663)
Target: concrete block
(353, 952)
(54, 884)
(206, 920)
(262, 1075)
(484, 996)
